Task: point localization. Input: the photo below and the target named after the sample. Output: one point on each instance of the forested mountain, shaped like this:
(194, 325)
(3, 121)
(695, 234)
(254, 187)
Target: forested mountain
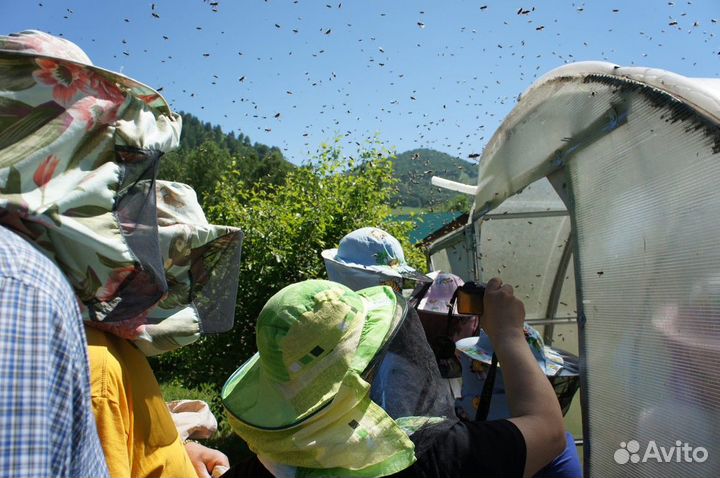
(206, 154)
(414, 169)
(196, 132)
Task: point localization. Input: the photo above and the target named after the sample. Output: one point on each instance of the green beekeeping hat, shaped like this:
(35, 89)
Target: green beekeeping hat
(308, 336)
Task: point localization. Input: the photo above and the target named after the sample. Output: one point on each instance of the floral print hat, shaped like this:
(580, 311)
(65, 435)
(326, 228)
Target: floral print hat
(441, 292)
(79, 152)
(481, 349)
(365, 253)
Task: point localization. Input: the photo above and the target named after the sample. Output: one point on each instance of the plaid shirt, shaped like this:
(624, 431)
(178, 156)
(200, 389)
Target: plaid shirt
(46, 423)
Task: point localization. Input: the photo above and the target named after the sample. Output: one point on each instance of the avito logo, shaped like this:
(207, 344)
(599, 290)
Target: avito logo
(680, 453)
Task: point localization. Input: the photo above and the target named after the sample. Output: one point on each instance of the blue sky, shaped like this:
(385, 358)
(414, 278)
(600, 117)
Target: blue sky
(437, 74)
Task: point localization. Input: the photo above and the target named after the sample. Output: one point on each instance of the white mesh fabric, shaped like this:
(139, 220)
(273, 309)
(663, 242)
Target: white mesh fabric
(647, 217)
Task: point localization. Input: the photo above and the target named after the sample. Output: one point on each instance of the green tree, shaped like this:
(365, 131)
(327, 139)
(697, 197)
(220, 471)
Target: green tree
(202, 167)
(286, 227)
(207, 155)
(460, 203)
(271, 169)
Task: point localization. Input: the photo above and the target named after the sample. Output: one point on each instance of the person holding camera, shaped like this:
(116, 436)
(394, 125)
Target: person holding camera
(449, 312)
(401, 381)
(345, 384)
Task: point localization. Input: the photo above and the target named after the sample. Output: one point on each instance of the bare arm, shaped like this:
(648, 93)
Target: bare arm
(533, 405)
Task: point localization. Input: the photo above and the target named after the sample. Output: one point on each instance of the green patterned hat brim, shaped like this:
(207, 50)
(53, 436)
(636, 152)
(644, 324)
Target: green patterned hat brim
(248, 392)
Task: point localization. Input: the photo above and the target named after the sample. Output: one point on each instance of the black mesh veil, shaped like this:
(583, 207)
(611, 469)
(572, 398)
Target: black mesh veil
(135, 208)
(406, 382)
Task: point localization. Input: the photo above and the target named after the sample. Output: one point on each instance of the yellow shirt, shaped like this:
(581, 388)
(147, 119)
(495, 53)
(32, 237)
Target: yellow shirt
(136, 430)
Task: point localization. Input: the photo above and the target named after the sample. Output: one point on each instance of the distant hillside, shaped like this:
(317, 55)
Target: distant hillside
(414, 169)
(196, 132)
(206, 154)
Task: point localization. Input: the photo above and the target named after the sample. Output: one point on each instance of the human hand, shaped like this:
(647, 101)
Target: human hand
(205, 459)
(504, 313)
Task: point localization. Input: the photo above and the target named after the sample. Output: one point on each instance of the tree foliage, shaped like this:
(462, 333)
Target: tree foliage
(460, 203)
(206, 155)
(286, 227)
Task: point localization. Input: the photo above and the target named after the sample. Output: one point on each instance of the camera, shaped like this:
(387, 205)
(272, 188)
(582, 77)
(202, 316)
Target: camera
(470, 298)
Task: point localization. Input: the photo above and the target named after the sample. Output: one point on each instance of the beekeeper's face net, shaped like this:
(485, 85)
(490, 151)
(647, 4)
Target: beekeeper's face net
(406, 382)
